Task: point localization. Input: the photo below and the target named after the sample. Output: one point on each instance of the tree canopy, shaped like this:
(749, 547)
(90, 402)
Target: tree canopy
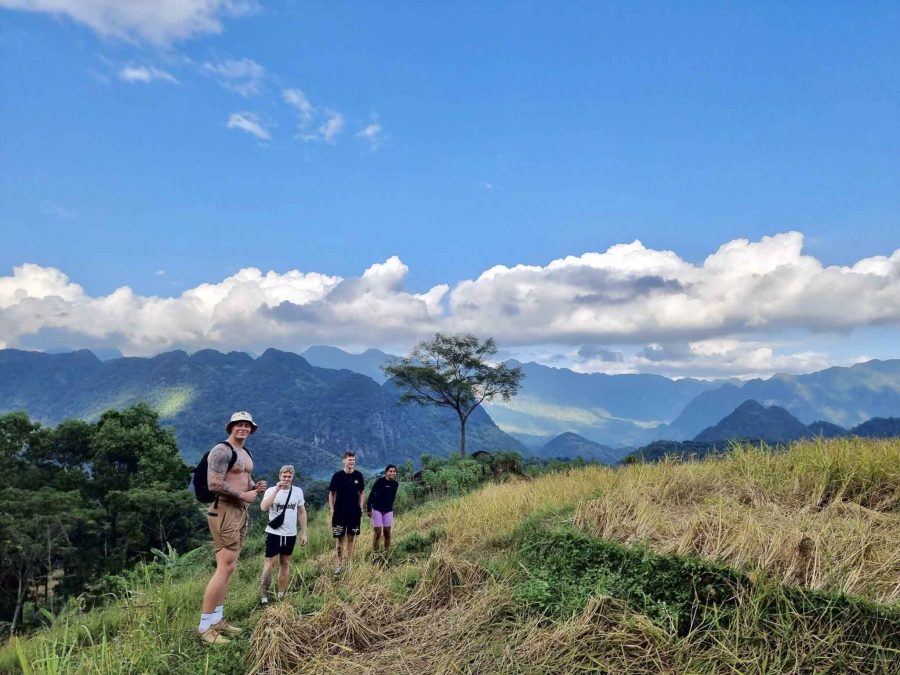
(86, 500)
(454, 371)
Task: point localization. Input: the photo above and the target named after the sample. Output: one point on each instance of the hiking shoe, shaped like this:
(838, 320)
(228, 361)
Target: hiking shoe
(225, 627)
(212, 637)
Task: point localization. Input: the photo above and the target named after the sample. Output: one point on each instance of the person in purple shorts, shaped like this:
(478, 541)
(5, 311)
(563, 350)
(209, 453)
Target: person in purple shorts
(380, 507)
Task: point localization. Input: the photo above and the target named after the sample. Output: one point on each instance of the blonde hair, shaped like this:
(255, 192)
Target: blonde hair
(287, 467)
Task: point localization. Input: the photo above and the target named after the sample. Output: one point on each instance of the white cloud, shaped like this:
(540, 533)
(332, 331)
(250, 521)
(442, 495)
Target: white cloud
(145, 74)
(634, 294)
(717, 357)
(243, 76)
(331, 127)
(297, 99)
(156, 21)
(250, 123)
(249, 310)
(372, 134)
(316, 123)
(726, 316)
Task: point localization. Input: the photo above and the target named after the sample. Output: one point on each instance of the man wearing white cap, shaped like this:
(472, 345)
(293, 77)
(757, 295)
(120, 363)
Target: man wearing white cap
(229, 478)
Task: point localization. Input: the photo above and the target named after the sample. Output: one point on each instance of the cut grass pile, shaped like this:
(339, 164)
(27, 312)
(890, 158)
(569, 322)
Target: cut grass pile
(739, 564)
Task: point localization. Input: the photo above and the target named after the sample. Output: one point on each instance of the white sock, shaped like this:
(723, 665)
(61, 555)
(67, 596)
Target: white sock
(217, 615)
(206, 620)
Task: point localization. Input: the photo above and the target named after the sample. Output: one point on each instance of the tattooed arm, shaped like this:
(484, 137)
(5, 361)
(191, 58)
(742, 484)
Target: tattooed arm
(219, 457)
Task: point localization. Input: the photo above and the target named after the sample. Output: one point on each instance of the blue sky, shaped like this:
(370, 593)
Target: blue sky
(166, 145)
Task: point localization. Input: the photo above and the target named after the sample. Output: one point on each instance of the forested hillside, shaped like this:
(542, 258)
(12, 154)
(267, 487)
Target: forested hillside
(308, 416)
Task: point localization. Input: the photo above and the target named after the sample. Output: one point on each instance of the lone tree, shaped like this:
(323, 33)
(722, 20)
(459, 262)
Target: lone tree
(454, 371)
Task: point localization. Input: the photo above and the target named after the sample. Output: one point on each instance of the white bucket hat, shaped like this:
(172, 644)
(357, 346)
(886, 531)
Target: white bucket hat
(241, 416)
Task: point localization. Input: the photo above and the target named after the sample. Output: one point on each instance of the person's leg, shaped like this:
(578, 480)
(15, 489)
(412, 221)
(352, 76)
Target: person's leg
(226, 561)
(376, 538)
(349, 556)
(387, 521)
(377, 524)
(268, 568)
(337, 531)
(284, 574)
(339, 551)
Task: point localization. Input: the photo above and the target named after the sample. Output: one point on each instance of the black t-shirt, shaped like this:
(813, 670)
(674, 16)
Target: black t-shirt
(381, 498)
(346, 488)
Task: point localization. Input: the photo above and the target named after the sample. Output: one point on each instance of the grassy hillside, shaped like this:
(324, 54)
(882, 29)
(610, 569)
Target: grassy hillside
(751, 562)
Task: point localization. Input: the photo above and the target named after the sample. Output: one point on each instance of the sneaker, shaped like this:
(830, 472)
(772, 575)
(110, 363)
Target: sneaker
(225, 627)
(338, 570)
(264, 602)
(212, 637)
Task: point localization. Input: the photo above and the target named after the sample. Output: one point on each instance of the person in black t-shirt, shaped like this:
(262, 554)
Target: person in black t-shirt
(380, 507)
(345, 501)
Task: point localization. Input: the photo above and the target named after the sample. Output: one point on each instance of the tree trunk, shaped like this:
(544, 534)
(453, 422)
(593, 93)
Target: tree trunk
(20, 598)
(462, 435)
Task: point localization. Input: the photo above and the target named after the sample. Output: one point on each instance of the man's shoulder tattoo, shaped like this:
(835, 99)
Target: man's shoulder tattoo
(219, 458)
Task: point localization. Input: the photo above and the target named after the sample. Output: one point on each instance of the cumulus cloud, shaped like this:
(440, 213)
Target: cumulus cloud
(250, 123)
(249, 310)
(145, 74)
(155, 21)
(633, 294)
(242, 76)
(663, 314)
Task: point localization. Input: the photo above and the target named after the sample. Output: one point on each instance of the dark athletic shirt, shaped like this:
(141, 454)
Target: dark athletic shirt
(346, 488)
(381, 498)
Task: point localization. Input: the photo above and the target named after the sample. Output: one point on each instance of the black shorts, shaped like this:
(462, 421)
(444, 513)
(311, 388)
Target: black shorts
(278, 545)
(345, 525)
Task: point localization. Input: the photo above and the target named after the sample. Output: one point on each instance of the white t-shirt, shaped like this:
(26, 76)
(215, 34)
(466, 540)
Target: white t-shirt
(289, 526)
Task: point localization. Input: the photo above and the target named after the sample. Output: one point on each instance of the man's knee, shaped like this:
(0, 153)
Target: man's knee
(226, 561)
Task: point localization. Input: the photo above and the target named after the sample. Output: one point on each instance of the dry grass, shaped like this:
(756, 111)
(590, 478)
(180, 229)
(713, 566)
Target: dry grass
(472, 522)
(824, 515)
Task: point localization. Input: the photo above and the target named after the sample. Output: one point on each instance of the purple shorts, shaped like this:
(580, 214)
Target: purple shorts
(380, 519)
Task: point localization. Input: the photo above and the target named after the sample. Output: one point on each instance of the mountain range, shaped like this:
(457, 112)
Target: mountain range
(326, 400)
(307, 415)
(625, 411)
(754, 422)
(773, 424)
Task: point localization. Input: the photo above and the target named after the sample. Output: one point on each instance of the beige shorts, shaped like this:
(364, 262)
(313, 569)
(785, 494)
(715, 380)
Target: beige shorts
(228, 523)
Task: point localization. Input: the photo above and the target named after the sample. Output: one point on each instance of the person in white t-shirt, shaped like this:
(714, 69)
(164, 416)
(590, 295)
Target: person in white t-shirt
(286, 498)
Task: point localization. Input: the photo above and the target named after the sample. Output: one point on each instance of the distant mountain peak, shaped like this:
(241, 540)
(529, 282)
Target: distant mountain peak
(753, 421)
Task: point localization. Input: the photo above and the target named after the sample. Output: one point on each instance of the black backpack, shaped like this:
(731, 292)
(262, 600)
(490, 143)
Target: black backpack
(201, 487)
